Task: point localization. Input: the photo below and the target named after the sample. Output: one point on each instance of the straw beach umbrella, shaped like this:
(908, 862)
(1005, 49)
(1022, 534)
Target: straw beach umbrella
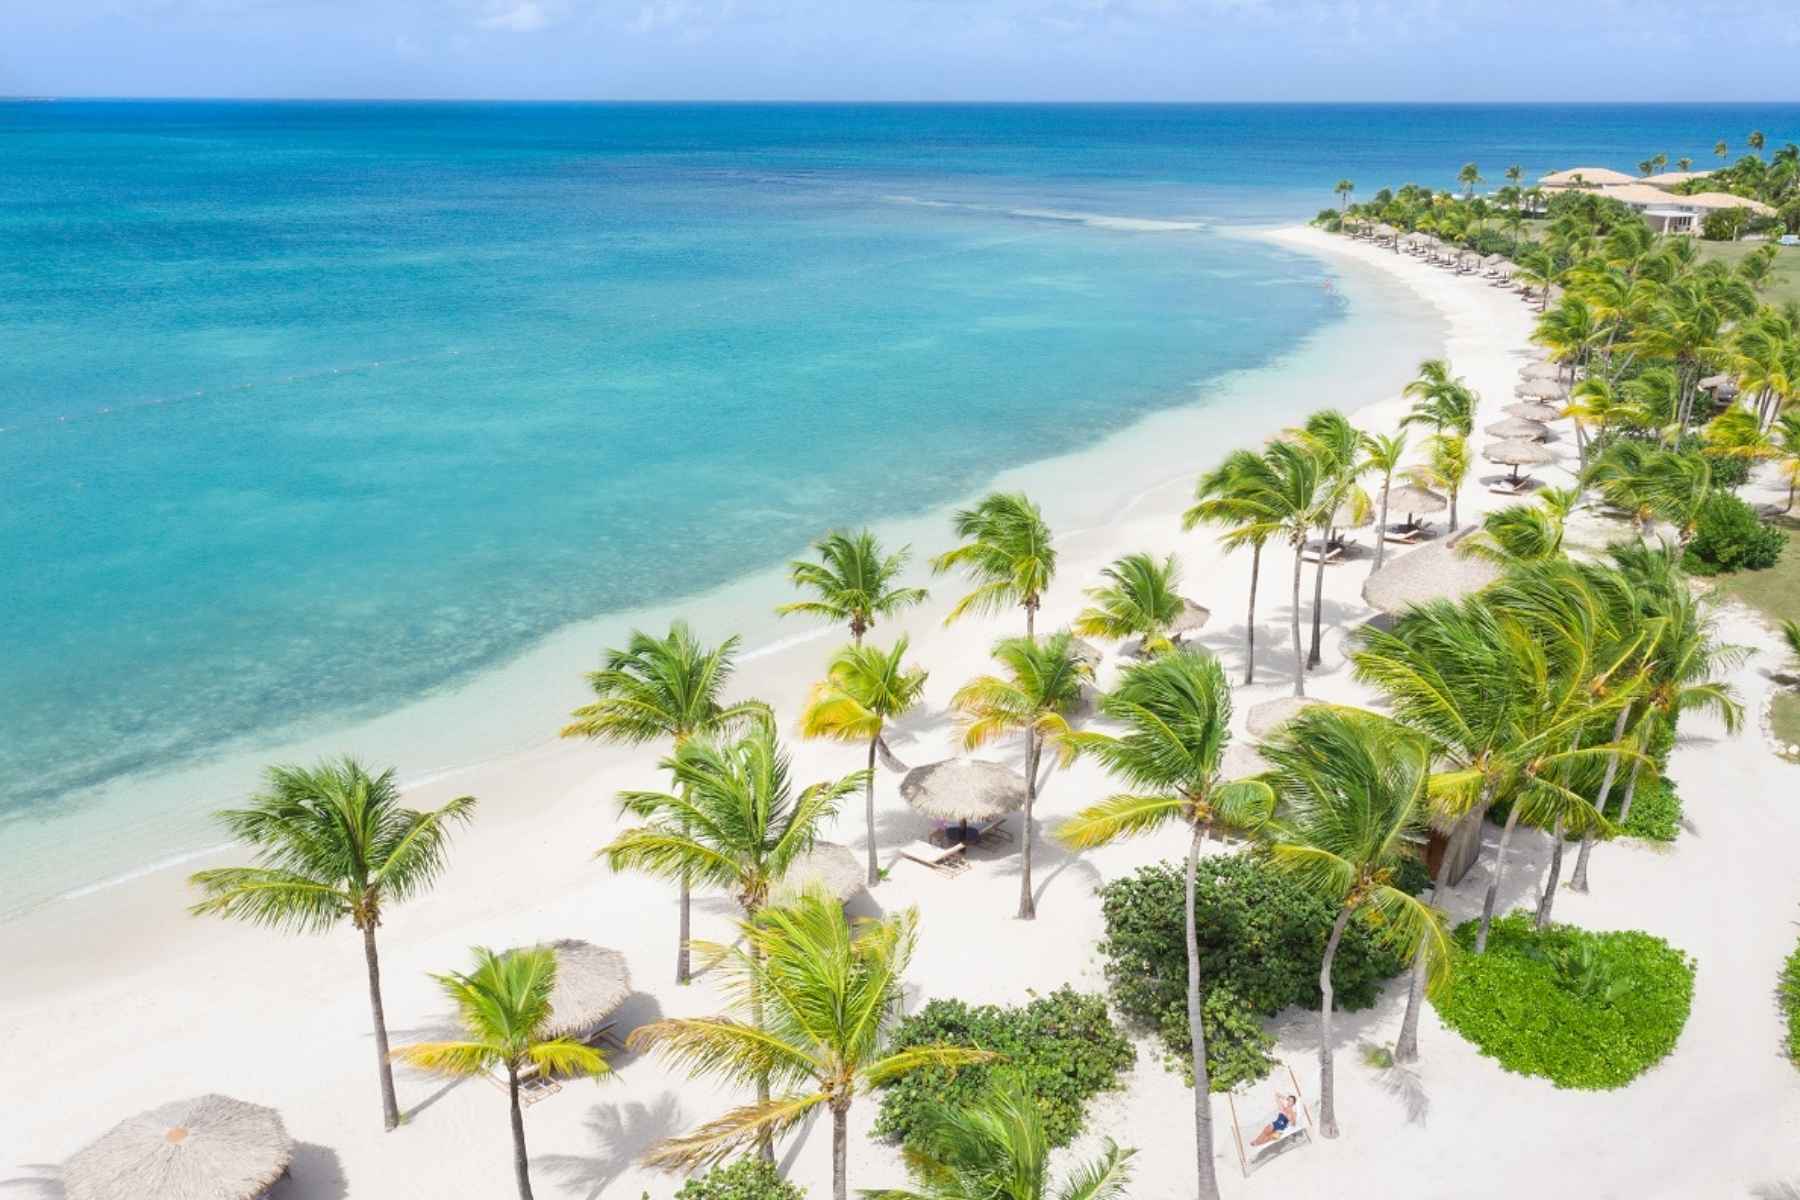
(1519, 427)
(1412, 499)
(591, 983)
(1541, 372)
(1265, 718)
(1085, 651)
(829, 867)
(1192, 619)
(1533, 410)
(208, 1148)
(1434, 572)
(1517, 454)
(1538, 389)
(963, 790)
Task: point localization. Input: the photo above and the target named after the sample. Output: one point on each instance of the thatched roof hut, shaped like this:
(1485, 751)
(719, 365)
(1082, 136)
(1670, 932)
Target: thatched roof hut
(1431, 572)
(828, 866)
(591, 983)
(963, 789)
(1264, 719)
(208, 1148)
(1519, 427)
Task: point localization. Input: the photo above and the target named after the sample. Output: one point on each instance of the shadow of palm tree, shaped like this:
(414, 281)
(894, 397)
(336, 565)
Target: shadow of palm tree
(1408, 1087)
(620, 1134)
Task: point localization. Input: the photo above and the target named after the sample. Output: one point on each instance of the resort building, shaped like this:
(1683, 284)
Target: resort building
(1663, 210)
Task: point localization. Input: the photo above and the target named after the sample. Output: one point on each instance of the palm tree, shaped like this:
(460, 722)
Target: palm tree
(1440, 400)
(1329, 434)
(1382, 454)
(1343, 189)
(1352, 787)
(1233, 495)
(734, 824)
(993, 1148)
(853, 581)
(1446, 468)
(1722, 150)
(504, 1006)
(1139, 600)
(658, 688)
(1176, 714)
(1006, 551)
(332, 842)
(1042, 684)
(1469, 176)
(831, 992)
(1756, 142)
(864, 688)
(1684, 164)
(1651, 483)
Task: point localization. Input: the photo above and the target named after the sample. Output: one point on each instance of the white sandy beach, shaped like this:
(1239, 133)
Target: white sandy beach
(117, 1000)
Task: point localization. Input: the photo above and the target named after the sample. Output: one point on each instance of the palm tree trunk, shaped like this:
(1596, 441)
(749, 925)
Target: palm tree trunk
(1327, 1090)
(1250, 620)
(1630, 791)
(1313, 656)
(1493, 887)
(1028, 906)
(1031, 619)
(869, 810)
(521, 1166)
(683, 959)
(1406, 1046)
(1299, 652)
(1548, 899)
(1381, 526)
(1203, 1135)
(765, 1143)
(840, 1151)
(390, 1108)
(1579, 880)
(1452, 489)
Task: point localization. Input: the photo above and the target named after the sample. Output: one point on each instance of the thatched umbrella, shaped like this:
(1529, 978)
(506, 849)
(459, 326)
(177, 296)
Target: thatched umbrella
(1433, 572)
(1085, 651)
(1541, 372)
(1411, 499)
(1721, 386)
(1242, 761)
(1193, 618)
(1517, 454)
(963, 790)
(1519, 427)
(1539, 389)
(1265, 718)
(207, 1148)
(827, 866)
(591, 983)
(1533, 410)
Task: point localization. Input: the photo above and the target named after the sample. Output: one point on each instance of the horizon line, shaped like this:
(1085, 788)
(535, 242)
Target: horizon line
(28, 98)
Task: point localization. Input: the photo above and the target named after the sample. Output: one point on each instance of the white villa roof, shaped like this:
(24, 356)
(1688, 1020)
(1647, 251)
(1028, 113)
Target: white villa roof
(1589, 177)
(1671, 178)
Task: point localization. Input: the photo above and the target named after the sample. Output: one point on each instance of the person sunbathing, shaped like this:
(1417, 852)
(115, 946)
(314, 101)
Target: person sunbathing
(1285, 1118)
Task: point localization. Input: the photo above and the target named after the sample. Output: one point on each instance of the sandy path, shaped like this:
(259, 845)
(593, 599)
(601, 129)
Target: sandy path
(118, 1001)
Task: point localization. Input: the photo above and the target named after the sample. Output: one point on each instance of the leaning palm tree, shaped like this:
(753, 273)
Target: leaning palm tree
(993, 1148)
(1446, 468)
(1339, 447)
(333, 843)
(831, 992)
(1285, 499)
(1233, 495)
(1441, 401)
(864, 688)
(1006, 551)
(853, 582)
(734, 823)
(1469, 176)
(504, 1008)
(1138, 600)
(1352, 787)
(1176, 716)
(1041, 685)
(1382, 453)
(657, 688)
(1343, 189)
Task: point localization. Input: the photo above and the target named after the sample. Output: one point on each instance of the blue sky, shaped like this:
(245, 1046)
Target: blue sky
(1719, 50)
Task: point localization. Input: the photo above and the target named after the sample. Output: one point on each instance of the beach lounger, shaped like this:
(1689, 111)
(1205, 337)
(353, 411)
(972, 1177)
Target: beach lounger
(995, 830)
(1334, 553)
(1406, 535)
(1512, 487)
(946, 860)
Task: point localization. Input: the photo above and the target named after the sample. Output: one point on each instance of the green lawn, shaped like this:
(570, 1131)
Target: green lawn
(1784, 719)
(1776, 591)
(1783, 285)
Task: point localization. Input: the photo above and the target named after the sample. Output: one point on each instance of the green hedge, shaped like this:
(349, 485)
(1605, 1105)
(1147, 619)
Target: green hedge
(1262, 938)
(1655, 810)
(747, 1178)
(1582, 1009)
(1729, 536)
(1063, 1045)
(1790, 1003)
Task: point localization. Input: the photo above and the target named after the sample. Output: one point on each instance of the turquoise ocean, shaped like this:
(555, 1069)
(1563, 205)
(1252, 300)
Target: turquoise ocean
(310, 410)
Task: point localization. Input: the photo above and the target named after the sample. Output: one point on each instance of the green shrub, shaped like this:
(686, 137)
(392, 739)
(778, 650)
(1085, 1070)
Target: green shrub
(1655, 809)
(1789, 988)
(1582, 1009)
(1262, 938)
(1729, 471)
(1063, 1045)
(747, 1178)
(1724, 224)
(1729, 536)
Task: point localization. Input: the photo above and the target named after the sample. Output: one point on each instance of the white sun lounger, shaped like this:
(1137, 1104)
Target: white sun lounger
(1512, 487)
(947, 860)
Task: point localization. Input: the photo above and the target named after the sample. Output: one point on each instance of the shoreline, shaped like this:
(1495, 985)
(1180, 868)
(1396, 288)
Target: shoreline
(203, 995)
(503, 712)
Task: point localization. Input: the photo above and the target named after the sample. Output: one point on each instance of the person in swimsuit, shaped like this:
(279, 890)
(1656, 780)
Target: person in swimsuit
(1285, 1119)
